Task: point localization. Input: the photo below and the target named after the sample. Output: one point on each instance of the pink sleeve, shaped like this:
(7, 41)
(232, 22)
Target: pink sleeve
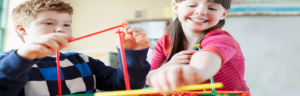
(222, 45)
(158, 58)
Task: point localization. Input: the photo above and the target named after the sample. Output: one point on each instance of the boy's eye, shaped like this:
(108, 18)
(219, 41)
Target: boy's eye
(67, 25)
(49, 23)
(212, 8)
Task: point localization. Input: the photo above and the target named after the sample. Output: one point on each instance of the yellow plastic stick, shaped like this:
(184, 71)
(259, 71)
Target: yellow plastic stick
(150, 91)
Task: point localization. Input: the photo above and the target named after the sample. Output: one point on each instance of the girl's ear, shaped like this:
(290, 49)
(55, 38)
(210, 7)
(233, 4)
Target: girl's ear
(175, 8)
(21, 30)
(224, 15)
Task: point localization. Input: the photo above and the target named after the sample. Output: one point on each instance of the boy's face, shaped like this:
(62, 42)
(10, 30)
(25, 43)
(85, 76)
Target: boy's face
(48, 22)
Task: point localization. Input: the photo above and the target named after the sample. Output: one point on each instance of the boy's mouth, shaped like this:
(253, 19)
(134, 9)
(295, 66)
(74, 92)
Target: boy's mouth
(199, 20)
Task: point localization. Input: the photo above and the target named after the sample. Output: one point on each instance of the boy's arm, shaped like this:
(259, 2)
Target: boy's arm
(108, 78)
(13, 73)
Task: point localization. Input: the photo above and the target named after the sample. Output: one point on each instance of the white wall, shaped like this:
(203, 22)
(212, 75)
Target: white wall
(272, 50)
(95, 15)
(11, 40)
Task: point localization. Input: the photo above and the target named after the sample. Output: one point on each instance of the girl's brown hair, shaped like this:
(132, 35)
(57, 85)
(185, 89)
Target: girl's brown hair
(178, 36)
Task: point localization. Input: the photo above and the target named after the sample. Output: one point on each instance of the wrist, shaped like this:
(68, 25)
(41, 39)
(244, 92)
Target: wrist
(24, 54)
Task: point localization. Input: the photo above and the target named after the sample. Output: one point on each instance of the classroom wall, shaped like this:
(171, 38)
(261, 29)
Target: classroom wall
(271, 46)
(11, 40)
(95, 15)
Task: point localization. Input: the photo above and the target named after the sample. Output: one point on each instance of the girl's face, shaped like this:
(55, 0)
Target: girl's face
(199, 15)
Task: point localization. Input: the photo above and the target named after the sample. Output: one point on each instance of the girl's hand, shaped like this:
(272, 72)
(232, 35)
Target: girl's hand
(182, 57)
(171, 77)
(43, 45)
(134, 39)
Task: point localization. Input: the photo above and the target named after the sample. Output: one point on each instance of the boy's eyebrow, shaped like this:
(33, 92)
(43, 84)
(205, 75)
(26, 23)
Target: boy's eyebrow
(55, 20)
(68, 21)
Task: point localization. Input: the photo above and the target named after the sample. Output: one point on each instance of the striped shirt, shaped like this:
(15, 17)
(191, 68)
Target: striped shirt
(80, 74)
(222, 44)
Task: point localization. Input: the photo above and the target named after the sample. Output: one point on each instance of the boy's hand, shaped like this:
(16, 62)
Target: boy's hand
(171, 77)
(134, 39)
(43, 45)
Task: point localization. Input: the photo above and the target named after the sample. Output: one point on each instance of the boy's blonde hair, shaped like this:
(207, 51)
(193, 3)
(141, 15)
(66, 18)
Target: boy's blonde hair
(27, 11)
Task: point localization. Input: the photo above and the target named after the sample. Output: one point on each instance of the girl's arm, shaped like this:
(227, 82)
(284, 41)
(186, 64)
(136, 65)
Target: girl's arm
(209, 64)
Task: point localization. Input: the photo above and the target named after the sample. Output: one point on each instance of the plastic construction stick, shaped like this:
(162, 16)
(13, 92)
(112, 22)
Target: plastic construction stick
(125, 71)
(97, 33)
(197, 46)
(57, 55)
(58, 73)
(151, 91)
(213, 90)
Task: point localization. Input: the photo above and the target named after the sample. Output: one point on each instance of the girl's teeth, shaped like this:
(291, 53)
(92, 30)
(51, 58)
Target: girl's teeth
(197, 20)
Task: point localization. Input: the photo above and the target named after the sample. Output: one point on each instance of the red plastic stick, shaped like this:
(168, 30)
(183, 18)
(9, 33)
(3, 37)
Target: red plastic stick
(95, 33)
(58, 64)
(58, 73)
(127, 84)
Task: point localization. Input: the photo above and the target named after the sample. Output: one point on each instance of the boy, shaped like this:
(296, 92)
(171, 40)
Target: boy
(45, 26)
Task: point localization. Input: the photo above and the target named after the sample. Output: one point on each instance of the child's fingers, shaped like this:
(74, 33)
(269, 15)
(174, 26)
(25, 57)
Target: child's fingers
(173, 78)
(68, 37)
(61, 39)
(183, 61)
(163, 82)
(154, 83)
(41, 49)
(50, 43)
(140, 34)
(126, 28)
(44, 50)
(187, 57)
(187, 52)
(133, 29)
(143, 41)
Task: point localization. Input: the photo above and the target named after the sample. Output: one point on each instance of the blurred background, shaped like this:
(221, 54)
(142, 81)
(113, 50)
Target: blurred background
(267, 30)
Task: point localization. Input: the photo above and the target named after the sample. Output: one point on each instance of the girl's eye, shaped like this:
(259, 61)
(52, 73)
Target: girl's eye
(192, 6)
(212, 9)
(49, 23)
(67, 25)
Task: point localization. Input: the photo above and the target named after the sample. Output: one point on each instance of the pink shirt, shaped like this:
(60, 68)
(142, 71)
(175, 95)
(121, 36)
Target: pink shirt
(221, 43)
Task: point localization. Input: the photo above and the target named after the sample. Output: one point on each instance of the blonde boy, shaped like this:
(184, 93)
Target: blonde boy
(45, 26)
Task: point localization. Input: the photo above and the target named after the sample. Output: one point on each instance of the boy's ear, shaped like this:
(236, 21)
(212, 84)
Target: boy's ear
(21, 30)
(224, 14)
(175, 8)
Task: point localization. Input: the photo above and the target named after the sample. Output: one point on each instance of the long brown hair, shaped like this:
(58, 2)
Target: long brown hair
(178, 36)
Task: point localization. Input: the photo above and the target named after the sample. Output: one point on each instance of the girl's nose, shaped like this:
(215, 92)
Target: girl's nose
(200, 11)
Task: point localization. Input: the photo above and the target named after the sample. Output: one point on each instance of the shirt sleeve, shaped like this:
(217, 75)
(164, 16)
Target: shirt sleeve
(13, 73)
(158, 57)
(108, 78)
(223, 45)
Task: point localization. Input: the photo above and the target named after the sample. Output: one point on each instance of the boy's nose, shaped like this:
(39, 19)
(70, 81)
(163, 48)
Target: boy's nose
(59, 30)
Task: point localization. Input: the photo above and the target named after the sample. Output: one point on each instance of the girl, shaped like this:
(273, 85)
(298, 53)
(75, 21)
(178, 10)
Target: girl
(175, 64)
